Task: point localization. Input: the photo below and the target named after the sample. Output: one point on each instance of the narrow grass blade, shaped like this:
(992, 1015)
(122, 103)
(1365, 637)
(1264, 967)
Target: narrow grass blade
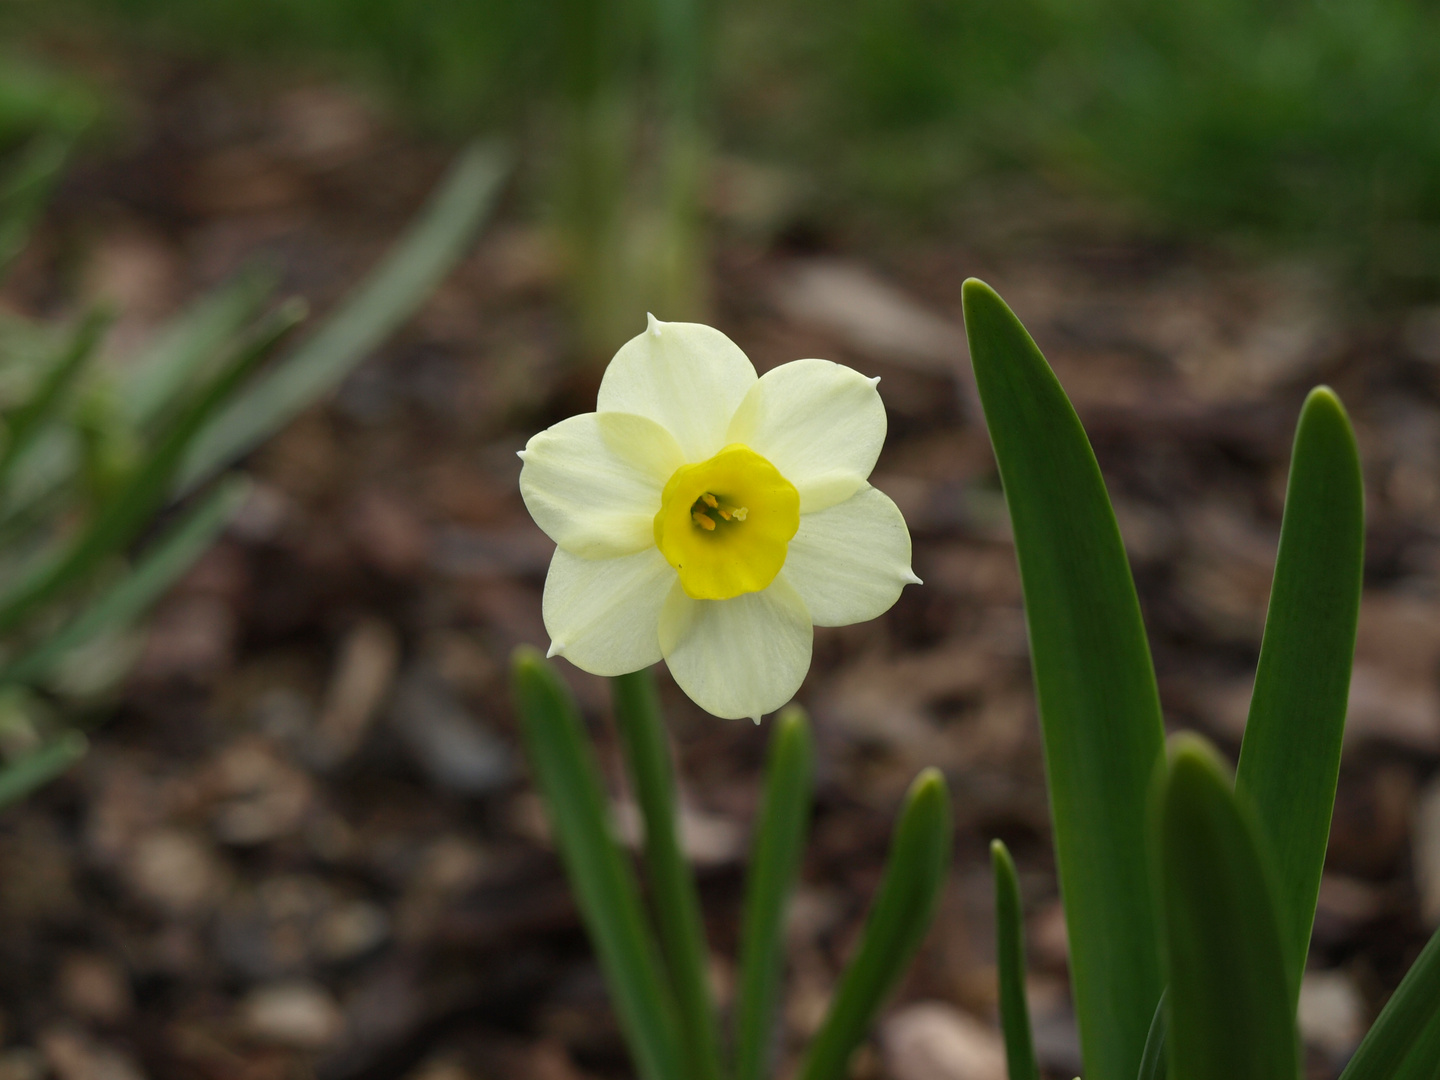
(26, 422)
(776, 853)
(157, 569)
(1152, 1062)
(672, 886)
(1408, 1019)
(192, 342)
(1099, 708)
(1228, 1003)
(918, 864)
(1010, 959)
(378, 307)
(1423, 1061)
(37, 768)
(1290, 759)
(127, 511)
(604, 886)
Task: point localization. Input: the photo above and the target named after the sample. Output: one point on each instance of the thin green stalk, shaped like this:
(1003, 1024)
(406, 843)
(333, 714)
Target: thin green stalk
(605, 889)
(672, 887)
(1010, 959)
(775, 858)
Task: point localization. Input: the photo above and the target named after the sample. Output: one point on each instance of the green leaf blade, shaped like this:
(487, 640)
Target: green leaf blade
(775, 859)
(604, 885)
(1290, 759)
(676, 903)
(899, 919)
(1010, 960)
(1095, 685)
(1228, 1004)
(1409, 1019)
(385, 300)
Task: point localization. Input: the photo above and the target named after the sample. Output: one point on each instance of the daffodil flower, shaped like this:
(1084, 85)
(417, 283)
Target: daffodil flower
(712, 518)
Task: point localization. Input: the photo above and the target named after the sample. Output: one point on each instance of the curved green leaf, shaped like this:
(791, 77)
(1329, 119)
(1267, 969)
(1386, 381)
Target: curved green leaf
(1010, 959)
(1290, 759)
(604, 885)
(1410, 1018)
(775, 857)
(1099, 708)
(918, 864)
(1228, 1003)
(385, 300)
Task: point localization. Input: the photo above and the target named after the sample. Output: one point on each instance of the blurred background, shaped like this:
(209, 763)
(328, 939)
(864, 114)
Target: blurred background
(302, 842)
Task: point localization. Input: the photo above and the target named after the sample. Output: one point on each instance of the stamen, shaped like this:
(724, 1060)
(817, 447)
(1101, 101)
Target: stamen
(703, 521)
(724, 512)
(710, 500)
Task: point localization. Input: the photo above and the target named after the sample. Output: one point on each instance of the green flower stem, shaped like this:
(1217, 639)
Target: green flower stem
(898, 922)
(774, 865)
(568, 777)
(1010, 947)
(676, 903)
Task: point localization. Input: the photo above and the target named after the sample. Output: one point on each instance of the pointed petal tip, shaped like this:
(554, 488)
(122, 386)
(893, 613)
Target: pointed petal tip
(756, 718)
(911, 578)
(557, 648)
(875, 380)
(653, 324)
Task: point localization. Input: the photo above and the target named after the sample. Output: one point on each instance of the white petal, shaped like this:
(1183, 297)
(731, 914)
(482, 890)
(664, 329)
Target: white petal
(603, 615)
(745, 656)
(593, 482)
(687, 377)
(821, 424)
(849, 562)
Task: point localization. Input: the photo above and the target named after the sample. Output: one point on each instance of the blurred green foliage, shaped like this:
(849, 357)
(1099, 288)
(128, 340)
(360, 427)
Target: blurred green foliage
(1305, 122)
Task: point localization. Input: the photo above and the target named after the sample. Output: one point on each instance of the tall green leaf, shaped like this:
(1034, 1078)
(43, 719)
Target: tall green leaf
(1408, 1019)
(193, 341)
(1228, 1002)
(672, 886)
(1290, 759)
(386, 299)
(775, 856)
(1099, 708)
(1010, 960)
(914, 876)
(122, 517)
(604, 885)
(156, 570)
(26, 422)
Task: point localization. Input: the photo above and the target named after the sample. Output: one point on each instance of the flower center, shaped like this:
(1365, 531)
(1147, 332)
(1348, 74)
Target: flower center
(725, 524)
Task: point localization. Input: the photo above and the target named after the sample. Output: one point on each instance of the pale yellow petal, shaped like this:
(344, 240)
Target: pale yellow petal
(850, 561)
(603, 615)
(593, 483)
(821, 424)
(741, 657)
(687, 377)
